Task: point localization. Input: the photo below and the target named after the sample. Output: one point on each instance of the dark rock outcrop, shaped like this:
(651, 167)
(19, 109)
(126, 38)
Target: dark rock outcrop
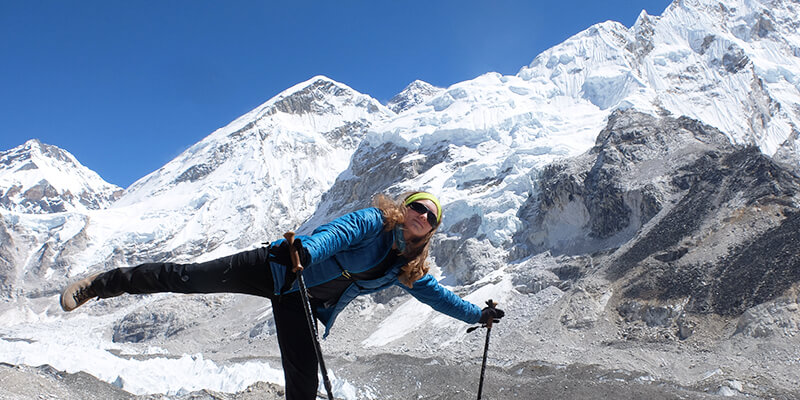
(713, 227)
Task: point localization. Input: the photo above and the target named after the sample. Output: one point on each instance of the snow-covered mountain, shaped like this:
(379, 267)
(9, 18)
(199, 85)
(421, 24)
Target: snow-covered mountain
(732, 65)
(578, 232)
(259, 176)
(39, 178)
(482, 142)
(244, 184)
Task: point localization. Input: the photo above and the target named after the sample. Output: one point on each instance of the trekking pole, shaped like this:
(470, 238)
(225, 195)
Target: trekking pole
(488, 326)
(312, 326)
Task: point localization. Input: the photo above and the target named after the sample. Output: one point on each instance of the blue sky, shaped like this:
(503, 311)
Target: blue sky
(126, 86)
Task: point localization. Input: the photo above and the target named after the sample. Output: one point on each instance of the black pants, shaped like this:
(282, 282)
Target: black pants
(247, 272)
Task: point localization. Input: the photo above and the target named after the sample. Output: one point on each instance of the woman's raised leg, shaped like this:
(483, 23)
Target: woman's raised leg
(247, 272)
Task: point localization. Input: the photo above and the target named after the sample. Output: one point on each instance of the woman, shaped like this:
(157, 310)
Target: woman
(359, 253)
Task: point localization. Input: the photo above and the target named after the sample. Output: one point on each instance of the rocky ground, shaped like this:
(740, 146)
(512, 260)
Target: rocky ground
(535, 353)
(36, 383)
(439, 381)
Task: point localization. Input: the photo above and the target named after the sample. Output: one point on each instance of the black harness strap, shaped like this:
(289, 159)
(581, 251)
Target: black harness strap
(346, 273)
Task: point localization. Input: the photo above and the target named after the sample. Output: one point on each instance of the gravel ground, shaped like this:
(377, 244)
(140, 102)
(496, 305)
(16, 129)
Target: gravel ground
(391, 377)
(38, 383)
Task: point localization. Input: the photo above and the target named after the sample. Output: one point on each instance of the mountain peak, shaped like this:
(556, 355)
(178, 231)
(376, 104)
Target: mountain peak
(643, 19)
(37, 148)
(40, 178)
(318, 95)
(416, 92)
(321, 82)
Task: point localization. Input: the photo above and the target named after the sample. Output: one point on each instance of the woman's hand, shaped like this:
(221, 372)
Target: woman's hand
(491, 313)
(281, 255)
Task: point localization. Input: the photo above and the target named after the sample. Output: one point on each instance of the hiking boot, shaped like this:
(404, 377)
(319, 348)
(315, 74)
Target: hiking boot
(78, 293)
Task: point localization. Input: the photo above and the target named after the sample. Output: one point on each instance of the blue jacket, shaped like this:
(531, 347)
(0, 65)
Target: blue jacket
(359, 242)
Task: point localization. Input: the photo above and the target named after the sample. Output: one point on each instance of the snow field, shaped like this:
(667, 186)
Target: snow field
(81, 343)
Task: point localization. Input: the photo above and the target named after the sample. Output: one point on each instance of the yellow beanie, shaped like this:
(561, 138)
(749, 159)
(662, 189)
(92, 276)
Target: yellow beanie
(426, 196)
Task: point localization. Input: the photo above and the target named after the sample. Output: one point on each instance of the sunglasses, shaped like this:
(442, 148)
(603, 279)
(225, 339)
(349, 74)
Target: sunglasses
(420, 208)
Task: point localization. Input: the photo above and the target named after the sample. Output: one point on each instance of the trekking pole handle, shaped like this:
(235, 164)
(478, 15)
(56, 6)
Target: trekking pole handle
(296, 266)
(491, 304)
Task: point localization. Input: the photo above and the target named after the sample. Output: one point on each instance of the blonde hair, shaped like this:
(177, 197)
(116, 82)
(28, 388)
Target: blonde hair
(416, 251)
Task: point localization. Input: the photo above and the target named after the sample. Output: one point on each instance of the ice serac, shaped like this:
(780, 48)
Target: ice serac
(39, 178)
(476, 144)
(731, 65)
